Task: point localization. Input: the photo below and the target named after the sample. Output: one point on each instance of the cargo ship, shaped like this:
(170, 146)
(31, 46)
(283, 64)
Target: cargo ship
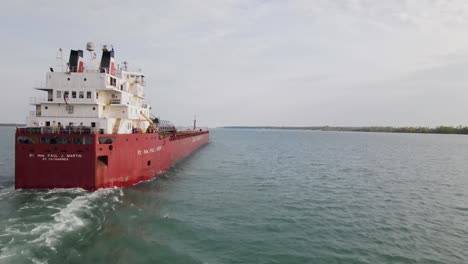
(94, 129)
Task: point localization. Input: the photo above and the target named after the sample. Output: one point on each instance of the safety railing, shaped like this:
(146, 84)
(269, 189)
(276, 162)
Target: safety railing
(60, 130)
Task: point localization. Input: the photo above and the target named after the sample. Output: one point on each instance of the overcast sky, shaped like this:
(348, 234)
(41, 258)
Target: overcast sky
(295, 63)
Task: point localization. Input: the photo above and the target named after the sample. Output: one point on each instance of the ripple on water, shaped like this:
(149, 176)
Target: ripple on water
(254, 196)
(45, 218)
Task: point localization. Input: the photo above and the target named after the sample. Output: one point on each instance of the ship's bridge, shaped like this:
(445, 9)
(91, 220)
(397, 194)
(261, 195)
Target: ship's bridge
(107, 98)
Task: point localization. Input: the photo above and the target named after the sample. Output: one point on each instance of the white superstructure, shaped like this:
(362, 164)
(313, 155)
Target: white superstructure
(106, 97)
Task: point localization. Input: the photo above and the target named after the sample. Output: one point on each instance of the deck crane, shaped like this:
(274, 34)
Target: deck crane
(153, 123)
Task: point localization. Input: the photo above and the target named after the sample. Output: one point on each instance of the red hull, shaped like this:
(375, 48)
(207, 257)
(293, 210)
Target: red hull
(129, 159)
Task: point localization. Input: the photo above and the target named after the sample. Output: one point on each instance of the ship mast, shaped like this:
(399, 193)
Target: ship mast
(194, 122)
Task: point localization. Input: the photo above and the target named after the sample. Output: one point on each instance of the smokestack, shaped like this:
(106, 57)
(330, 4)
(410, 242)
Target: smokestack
(107, 61)
(76, 62)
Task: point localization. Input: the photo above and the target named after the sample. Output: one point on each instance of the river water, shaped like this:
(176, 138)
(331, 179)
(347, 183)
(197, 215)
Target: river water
(258, 196)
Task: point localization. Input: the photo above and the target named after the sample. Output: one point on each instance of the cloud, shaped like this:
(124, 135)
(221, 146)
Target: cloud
(252, 62)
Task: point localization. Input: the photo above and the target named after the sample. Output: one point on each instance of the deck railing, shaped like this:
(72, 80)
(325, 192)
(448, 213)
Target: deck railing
(60, 130)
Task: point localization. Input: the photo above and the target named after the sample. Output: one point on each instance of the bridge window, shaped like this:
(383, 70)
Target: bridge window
(59, 94)
(73, 94)
(113, 81)
(81, 95)
(88, 95)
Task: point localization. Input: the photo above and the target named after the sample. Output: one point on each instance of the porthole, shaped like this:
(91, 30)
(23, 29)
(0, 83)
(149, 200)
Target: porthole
(84, 79)
(94, 108)
(111, 147)
(46, 107)
(68, 79)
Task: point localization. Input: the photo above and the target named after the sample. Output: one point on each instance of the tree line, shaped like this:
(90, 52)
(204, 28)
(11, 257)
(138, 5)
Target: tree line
(424, 130)
(385, 129)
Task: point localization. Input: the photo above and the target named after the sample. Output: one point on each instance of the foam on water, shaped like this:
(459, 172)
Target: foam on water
(69, 218)
(6, 191)
(20, 239)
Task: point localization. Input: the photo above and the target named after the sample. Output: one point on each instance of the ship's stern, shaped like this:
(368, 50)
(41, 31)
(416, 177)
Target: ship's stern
(47, 161)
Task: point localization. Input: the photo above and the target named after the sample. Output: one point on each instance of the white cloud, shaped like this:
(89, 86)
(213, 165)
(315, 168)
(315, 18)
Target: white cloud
(254, 62)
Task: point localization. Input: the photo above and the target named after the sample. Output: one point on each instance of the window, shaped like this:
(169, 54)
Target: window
(113, 81)
(27, 140)
(70, 109)
(59, 94)
(83, 141)
(93, 124)
(73, 94)
(103, 160)
(88, 95)
(81, 95)
(55, 140)
(97, 95)
(106, 140)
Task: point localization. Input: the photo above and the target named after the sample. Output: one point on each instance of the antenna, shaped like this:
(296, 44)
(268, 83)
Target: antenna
(194, 122)
(59, 58)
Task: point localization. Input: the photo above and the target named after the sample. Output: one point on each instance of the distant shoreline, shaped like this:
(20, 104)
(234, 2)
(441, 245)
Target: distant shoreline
(412, 130)
(11, 125)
